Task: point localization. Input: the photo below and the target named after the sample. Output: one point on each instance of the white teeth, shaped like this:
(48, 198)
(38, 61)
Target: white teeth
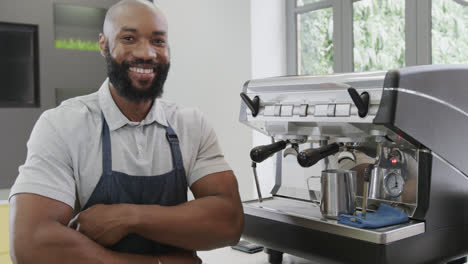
(141, 70)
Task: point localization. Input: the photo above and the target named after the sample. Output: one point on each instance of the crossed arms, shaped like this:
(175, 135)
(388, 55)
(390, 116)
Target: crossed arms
(39, 232)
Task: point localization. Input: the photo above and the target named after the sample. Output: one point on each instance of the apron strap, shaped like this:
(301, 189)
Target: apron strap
(171, 136)
(106, 147)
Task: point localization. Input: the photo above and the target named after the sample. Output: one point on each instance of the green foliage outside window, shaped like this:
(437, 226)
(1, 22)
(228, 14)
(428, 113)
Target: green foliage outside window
(77, 44)
(315, 40)
(379, 35)
(449, 32)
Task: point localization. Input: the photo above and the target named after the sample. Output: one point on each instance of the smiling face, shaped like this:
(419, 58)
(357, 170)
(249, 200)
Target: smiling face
(136, 50)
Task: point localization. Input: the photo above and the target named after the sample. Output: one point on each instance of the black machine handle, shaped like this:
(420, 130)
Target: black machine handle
(254, 105)
(361, 101)
(309, 157)
(261, 153)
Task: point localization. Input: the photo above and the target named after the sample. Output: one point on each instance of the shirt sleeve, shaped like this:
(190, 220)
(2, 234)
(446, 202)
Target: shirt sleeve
(47, 170)
(210, 158)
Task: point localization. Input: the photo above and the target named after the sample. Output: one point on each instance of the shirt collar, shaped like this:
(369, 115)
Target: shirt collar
(116, 119)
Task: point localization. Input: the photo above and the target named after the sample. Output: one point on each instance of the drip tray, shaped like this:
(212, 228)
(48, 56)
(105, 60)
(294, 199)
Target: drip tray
(307, 215)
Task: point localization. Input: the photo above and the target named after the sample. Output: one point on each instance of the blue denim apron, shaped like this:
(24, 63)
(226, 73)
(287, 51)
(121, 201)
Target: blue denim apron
(115, 187)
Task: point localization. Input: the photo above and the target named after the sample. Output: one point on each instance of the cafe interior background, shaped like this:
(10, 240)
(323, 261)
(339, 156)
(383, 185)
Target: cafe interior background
(49, 53)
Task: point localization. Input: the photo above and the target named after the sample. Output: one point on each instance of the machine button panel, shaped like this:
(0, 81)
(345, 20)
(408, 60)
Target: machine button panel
(343, 110)
(277, 110)
(302, 109)
(287, 110)
(321, 110)
(331, 110)
(269, 110)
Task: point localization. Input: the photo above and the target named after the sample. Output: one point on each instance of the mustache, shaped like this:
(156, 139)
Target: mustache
(139, 62)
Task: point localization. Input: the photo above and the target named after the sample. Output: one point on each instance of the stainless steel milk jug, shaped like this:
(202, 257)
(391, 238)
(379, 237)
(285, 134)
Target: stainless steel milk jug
(338, 188)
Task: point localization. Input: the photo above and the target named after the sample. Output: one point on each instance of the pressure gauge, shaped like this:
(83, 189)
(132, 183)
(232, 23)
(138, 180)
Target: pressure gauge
(393, 184)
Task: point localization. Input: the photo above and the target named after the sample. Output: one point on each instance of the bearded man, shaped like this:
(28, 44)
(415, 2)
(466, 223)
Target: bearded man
(106, 175)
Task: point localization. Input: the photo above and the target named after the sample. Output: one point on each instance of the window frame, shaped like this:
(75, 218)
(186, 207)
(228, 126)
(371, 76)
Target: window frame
(418, 38)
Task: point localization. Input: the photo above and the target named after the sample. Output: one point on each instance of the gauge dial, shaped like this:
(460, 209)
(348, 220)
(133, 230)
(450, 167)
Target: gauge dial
(393, 184)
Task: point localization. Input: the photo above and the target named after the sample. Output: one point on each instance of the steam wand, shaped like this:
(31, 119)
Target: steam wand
(365, 190)
(257, 184)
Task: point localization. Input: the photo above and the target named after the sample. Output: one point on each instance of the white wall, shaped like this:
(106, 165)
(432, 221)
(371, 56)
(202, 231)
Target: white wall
(210, 48)
(268, 60)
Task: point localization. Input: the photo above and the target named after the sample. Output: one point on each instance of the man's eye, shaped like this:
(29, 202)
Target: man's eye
(129, 38)
(159, 41)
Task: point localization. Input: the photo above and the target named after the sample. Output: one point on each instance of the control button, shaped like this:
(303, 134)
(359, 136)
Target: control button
(331, 110)
(301, 110)
(343, 110)
(269, 110)
(321, 110)
(277, 110)
(287, 110)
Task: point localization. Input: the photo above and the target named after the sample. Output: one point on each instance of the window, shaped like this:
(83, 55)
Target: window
(317, 45)
(449, 32)
(365, 35)
(379, 35)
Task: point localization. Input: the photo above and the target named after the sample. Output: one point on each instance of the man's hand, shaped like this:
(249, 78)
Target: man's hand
(105, 224)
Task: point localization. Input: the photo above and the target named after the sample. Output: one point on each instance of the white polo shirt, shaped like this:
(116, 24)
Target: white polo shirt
(64, 159)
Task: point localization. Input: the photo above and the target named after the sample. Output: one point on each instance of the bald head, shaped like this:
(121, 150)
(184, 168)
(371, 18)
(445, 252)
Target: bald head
(125, 10)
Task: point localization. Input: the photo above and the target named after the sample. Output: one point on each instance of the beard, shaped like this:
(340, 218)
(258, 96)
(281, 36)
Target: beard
(120, 79)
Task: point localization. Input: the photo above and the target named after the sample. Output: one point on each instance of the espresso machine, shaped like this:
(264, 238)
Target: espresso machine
(404, 132)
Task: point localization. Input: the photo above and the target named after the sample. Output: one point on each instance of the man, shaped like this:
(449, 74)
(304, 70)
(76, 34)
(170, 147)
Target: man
(124, 158)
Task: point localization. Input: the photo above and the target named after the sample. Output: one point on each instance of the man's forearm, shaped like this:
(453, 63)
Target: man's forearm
(201, 224)
(55, 243)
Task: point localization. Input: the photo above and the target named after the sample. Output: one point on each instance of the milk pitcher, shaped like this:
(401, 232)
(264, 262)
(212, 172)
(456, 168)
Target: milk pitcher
(338, 191)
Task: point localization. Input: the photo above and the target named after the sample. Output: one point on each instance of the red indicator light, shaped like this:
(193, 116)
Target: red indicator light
(394, 161)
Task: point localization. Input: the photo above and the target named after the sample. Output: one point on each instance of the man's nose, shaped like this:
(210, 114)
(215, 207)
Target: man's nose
(145, 51)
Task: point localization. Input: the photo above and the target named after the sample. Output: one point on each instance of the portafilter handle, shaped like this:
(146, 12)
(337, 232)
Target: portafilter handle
(309, 157)
(261, 153)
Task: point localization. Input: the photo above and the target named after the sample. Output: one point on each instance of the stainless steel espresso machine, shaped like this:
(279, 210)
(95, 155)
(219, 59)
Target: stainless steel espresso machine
(404, 132)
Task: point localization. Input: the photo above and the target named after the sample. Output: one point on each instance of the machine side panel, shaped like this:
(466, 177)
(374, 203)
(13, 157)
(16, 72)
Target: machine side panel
(448, 205)
(449, 83)
(424, 184)
(436, 124)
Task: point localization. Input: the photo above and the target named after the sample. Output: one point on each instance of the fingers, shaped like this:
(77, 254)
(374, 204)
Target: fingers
(74, 221)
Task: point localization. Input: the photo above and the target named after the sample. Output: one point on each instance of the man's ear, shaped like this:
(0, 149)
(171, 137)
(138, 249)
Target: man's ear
(102, 44)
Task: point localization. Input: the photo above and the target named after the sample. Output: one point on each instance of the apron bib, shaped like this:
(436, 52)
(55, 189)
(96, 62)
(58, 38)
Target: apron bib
(115, 187)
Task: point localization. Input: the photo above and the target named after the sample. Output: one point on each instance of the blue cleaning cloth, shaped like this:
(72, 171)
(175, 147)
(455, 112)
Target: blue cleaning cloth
(385, 215)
